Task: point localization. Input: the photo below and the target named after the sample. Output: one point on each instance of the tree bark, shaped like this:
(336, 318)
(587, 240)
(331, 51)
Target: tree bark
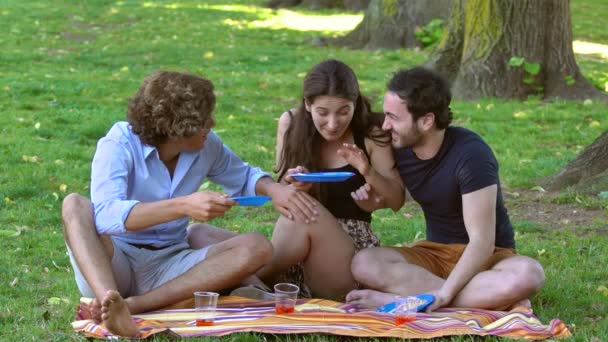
(482, 37)
(391, 24)
(588, 169)
(352, 5)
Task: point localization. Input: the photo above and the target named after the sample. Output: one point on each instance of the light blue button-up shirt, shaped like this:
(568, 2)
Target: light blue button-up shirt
(125, 172)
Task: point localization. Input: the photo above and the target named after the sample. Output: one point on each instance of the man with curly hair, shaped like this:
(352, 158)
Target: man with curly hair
(131, 246)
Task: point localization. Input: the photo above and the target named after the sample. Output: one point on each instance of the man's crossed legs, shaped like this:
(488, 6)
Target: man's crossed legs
(386, 273)
(226, 264)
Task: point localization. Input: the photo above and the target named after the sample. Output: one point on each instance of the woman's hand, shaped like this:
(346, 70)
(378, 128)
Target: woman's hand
(355, 157)
(300, 186)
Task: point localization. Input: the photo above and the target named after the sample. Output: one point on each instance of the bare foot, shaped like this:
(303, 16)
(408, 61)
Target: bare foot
(95, 310)
(369, 298)
(116, 317)
(524, 303)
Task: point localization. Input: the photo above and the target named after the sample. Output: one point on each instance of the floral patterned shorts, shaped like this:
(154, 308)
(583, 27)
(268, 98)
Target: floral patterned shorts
(363, 237)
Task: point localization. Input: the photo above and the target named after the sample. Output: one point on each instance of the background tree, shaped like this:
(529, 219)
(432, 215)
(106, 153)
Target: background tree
(392, 23)
(353, 5)
(511, 49)
(588, 172)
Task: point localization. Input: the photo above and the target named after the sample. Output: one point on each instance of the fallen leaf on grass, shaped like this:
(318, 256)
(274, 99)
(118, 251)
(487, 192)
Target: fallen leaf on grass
(603, 290)
(541, 252)
(10, 233)
(63, 188)
(4, 232)
(261, 148)
(30, 159)
(538, 188)
(57, 300)
(15, 282)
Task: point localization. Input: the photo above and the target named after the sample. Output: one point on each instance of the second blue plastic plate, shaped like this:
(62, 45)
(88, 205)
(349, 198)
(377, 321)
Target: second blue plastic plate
(251, 201)
(322, 176)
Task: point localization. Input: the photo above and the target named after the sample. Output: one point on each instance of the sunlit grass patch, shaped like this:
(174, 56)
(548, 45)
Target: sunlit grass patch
(287, 19)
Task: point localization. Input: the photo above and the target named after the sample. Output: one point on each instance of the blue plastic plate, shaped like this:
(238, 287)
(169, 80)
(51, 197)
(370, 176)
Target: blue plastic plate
(425, 300)
(322, 176)
(251, 201)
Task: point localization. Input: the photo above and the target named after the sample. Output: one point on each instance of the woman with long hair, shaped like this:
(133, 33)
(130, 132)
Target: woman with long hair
(333, 130)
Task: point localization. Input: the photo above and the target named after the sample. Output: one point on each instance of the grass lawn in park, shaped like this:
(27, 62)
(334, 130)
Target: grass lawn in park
(67, 69)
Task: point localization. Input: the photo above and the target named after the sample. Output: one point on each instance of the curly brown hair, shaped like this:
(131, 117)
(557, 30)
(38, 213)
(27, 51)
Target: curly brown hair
(170, 105)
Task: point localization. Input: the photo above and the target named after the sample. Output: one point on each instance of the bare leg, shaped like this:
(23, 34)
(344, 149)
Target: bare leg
(93, 254)
(227, 264)
(509, 282)
(323, 246)
(203, 234)
(387, 273)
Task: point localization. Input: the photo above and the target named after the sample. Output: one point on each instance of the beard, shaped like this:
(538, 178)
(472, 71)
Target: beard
(409, 139)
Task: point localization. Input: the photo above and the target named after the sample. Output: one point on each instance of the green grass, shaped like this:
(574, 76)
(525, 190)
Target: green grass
(67, 68)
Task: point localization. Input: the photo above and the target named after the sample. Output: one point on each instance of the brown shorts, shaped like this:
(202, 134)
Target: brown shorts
(440, 258)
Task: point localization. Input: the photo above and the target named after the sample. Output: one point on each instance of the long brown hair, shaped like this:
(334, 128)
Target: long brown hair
(302, 141)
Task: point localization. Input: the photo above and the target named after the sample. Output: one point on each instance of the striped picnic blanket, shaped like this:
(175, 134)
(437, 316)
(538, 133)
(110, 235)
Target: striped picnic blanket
(236, 314)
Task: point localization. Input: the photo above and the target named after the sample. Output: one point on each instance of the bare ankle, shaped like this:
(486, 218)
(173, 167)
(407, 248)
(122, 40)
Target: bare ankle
(133, 305)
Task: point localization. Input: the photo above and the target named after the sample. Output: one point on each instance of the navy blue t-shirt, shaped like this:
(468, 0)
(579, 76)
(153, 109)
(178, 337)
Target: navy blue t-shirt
(464, 163)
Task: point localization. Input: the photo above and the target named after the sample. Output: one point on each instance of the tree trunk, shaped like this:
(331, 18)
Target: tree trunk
(483, 36)
(352, 5)
(588, 169)
(391, 24)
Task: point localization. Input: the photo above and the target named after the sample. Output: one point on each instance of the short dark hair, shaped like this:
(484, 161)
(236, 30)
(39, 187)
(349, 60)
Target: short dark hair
(424, 91)
(170, 105)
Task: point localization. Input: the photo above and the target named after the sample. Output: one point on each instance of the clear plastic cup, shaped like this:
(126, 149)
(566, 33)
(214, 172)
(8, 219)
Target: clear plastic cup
(285, 296)
(406, 310)
(205, 304)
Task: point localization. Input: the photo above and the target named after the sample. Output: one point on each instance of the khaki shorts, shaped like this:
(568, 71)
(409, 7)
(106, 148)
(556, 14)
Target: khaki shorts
(440, 258)
(139, 270)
